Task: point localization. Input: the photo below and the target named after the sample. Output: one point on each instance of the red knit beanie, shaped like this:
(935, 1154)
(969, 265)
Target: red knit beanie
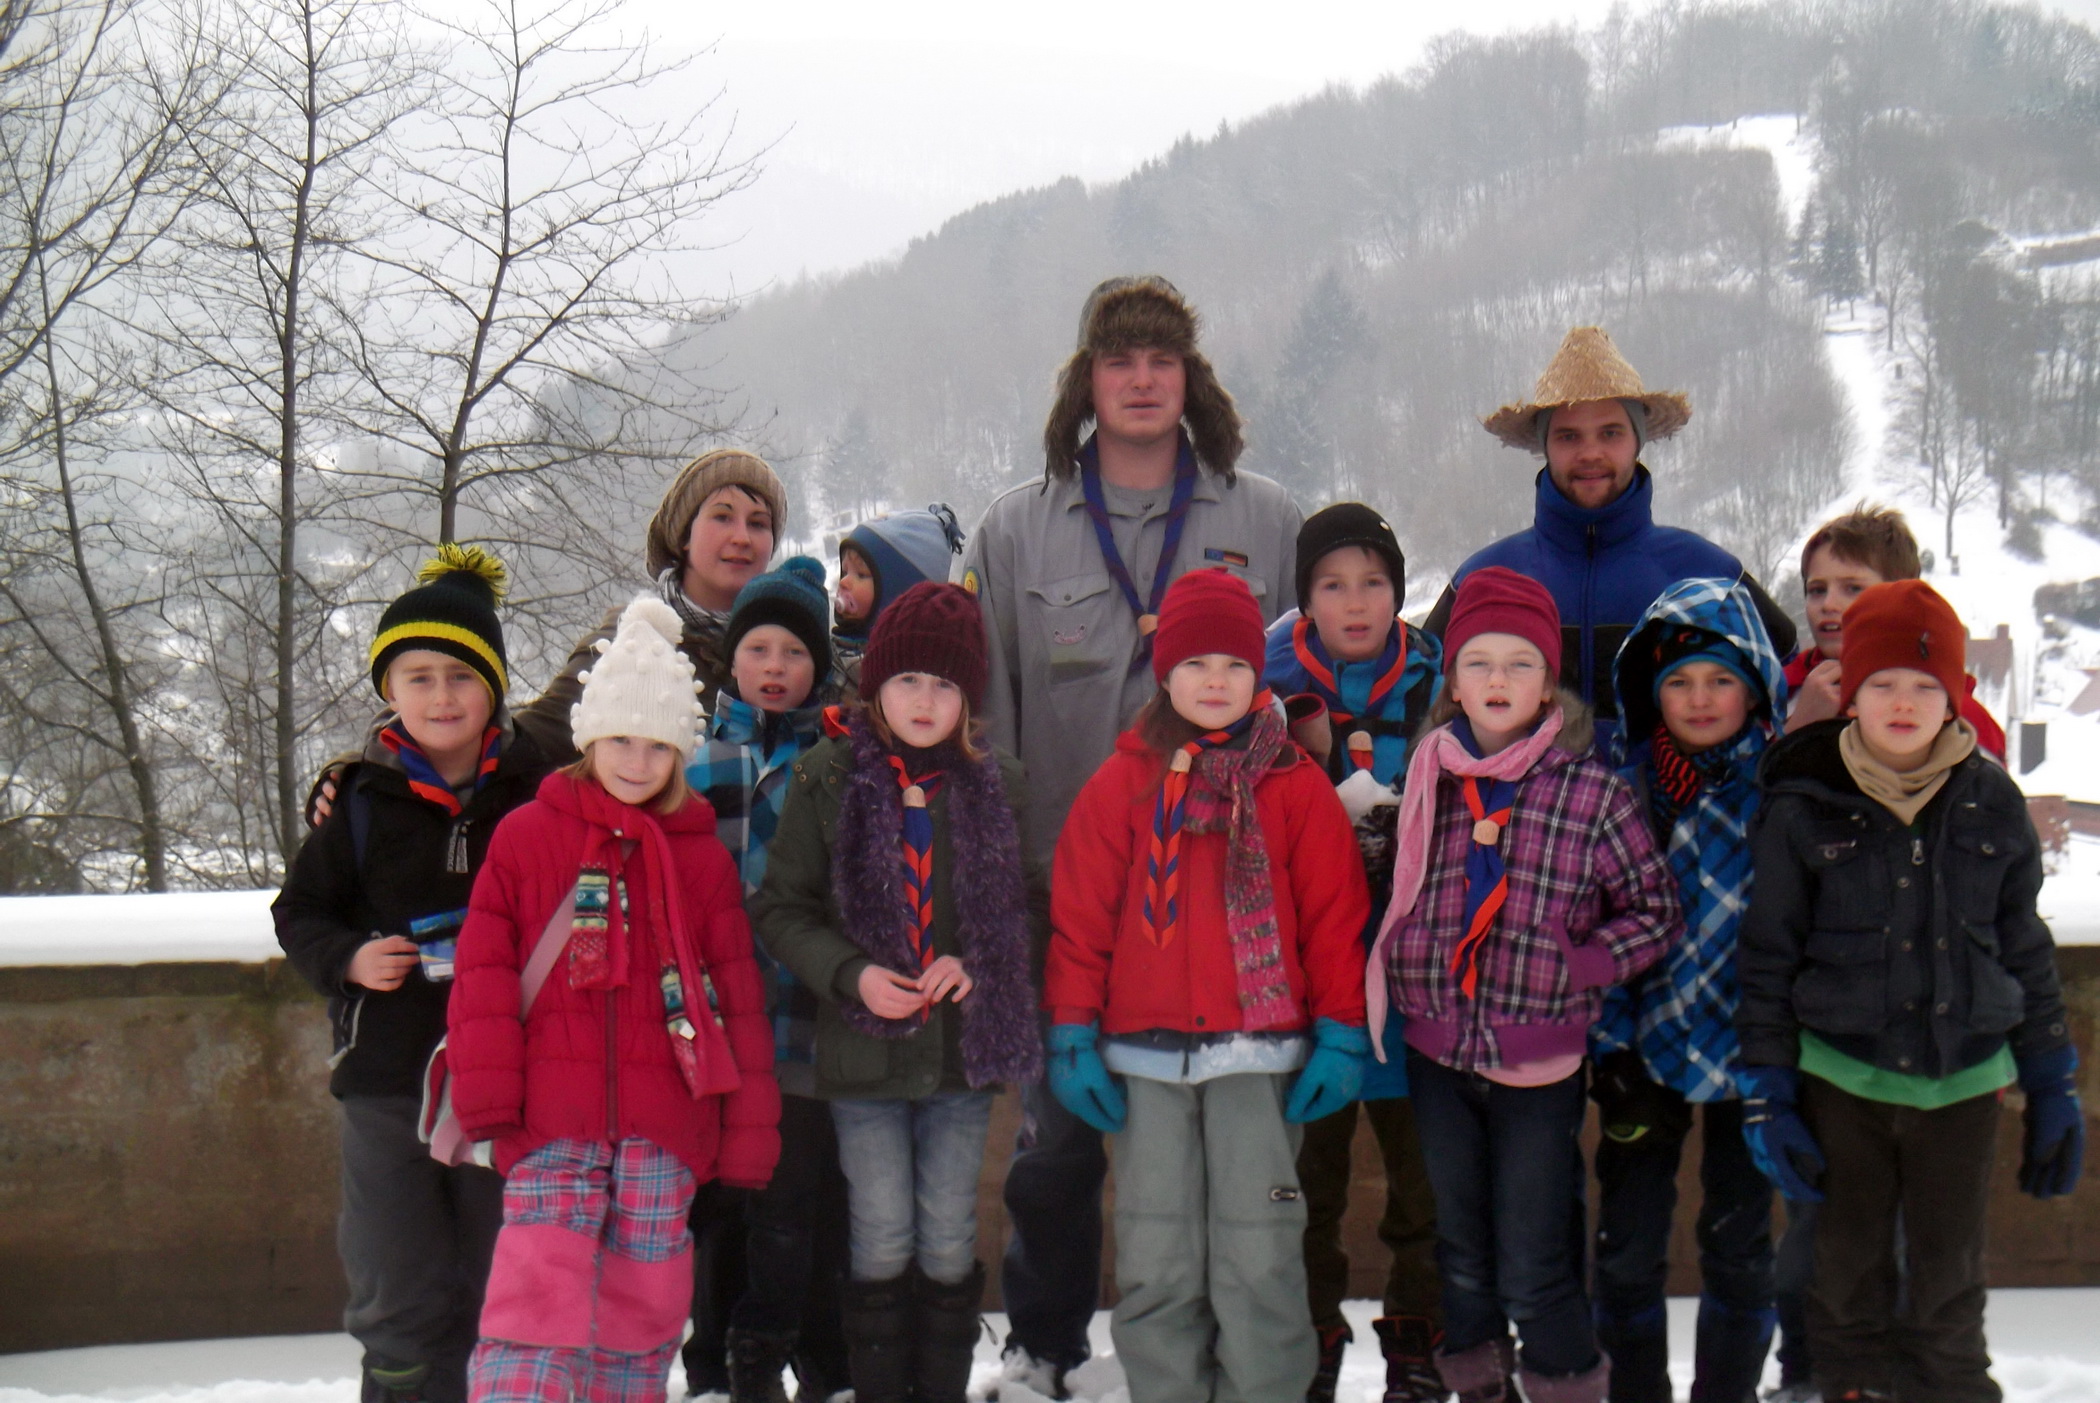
(1496, 600)
(1903, 623)
(933, 628)
(1207, 611)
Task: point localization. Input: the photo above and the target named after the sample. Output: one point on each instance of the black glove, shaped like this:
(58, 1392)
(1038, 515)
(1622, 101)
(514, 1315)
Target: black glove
(1632, 1107)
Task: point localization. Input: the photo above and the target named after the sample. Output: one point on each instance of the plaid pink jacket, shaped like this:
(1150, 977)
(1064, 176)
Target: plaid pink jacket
(1591, 904)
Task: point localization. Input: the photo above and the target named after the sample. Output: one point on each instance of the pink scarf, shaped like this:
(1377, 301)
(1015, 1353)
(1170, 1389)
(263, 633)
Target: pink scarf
(1438, 753)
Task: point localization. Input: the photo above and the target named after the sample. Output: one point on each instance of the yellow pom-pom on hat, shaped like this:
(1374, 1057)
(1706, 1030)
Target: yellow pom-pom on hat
(452, 610)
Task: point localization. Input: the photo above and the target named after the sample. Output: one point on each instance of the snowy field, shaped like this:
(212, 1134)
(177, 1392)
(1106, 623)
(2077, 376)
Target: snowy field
(2045, 1343)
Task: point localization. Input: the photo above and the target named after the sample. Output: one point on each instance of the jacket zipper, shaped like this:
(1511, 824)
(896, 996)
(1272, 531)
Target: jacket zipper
(1589, 614)
(612, 1085)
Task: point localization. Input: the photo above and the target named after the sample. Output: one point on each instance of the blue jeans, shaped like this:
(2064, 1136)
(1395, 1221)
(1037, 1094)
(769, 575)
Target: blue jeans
(911, 1182)
(1051, 1278)
(1503, 1160)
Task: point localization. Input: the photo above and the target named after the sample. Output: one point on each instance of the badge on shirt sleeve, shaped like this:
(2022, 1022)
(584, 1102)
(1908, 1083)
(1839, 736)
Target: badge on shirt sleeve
(969, 579)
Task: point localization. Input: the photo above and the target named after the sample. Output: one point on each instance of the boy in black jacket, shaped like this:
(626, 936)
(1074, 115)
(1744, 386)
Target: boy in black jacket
(1893, 954)
(368, 915)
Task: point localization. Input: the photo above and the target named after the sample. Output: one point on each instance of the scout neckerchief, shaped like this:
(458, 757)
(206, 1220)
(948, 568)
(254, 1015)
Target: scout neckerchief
(1146, 608)
(1170, 816)
(1319, 672)
(1490, 801)
(916, 858)
(423, 777)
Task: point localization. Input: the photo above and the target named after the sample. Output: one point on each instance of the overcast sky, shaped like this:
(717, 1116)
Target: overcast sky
(885, 118)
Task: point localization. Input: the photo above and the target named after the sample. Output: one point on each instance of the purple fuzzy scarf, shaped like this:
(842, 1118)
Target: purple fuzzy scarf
(1001, 1040)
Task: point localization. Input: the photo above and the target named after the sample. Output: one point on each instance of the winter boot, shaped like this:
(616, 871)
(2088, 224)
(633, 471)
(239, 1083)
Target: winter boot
(1408, 1343)
(1045, 1377)
(756, 1359)
(877, 1319)
(1729, 1353)
(1334, 1341)
(1639, 1347)
(1589, 1386)
(1480, 1374)
(819, 1381)
(947, 1331)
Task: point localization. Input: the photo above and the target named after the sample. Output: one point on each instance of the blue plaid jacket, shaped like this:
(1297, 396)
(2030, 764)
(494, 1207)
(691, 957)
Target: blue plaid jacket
(742, 769)
(1680, 1015)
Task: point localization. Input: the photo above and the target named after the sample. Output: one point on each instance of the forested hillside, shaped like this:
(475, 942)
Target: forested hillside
(1379, 268)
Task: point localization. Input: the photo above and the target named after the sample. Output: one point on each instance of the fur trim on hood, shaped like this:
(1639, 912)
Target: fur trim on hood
(1143, 311)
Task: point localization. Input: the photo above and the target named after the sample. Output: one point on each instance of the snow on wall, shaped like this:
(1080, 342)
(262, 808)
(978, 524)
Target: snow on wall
(145, 928)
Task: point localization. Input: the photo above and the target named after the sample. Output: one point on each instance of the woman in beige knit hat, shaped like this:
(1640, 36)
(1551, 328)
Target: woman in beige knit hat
(714, 530)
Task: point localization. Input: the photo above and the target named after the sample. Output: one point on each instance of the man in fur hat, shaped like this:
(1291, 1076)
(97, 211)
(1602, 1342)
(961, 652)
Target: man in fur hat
(1593, 541)
(1071, 572)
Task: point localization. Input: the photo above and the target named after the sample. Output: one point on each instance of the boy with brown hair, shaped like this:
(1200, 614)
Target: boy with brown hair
(1844, 557)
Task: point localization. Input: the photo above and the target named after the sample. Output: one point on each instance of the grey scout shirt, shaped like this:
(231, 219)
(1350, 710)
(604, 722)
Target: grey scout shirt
(1059, 634)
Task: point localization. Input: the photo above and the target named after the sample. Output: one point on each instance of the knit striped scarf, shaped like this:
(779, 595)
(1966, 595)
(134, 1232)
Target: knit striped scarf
(424, 781)
(1209, 788)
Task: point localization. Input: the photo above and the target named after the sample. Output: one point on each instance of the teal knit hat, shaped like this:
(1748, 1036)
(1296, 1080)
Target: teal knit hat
(792, 597)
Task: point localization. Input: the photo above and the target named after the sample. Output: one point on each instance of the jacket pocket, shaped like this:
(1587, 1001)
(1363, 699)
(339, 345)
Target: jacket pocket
(1996, 1000)
(1844, 985)
(848, 1060)
(1850, 888)
(1074, 626)
(1977, 861)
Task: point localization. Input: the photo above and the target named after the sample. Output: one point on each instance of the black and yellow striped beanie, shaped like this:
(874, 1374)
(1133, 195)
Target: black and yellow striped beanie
(452, 610)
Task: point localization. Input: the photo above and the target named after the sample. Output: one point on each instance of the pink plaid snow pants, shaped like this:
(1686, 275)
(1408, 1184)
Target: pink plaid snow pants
(592, 1280)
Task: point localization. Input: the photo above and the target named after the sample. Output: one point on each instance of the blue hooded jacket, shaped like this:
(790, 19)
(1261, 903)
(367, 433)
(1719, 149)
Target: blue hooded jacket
(1604, 567)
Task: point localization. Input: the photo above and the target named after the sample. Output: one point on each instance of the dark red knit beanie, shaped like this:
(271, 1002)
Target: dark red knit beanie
(1207, 611)
(1496, 600)
(1904, 623)
(931, 627)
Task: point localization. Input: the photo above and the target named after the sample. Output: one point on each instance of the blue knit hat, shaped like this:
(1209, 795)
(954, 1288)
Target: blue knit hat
(1688, 644)
(904, 549)
(791, 596)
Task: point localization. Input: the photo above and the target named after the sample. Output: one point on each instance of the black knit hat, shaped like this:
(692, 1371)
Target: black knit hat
(792, 597)
(452, 610)
(1348, 524)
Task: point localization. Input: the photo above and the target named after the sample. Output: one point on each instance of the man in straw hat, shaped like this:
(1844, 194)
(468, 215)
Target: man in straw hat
(1593, 540)
(1071, 572)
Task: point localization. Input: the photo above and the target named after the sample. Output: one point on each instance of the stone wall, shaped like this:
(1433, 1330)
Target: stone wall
(168, 1161)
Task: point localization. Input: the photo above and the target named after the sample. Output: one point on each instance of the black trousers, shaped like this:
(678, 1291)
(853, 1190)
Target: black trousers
(1638, 1184)
(1934, 1169)
(1407, 1227)
(415, 1237)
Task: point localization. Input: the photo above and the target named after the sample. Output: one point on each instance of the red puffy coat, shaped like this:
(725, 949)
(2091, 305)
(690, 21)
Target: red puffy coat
(1102, 963)
(597, 1063)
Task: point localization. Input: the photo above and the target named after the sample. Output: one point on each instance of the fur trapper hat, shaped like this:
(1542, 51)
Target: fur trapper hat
(1119, 315)
(1586, 368)
(641, 684)
(672, 526)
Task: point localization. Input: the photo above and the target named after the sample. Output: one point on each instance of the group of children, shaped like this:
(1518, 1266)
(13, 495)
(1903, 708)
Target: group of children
(1336, 863)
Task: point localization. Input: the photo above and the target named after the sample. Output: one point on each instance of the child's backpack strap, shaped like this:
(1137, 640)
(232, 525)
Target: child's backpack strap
(358, 805)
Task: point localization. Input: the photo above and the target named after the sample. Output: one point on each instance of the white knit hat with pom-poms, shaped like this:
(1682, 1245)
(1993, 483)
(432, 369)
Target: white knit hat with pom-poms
(641, 684)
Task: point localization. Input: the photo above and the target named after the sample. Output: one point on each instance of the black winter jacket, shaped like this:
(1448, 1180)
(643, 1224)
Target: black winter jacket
(1917, 949)
(331, 904)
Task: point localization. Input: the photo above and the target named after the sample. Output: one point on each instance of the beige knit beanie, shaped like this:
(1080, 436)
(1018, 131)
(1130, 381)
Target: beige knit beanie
(700, 479)
(641, 684)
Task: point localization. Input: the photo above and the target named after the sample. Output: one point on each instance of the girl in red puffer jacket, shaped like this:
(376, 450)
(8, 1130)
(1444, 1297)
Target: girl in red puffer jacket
(643, 1064)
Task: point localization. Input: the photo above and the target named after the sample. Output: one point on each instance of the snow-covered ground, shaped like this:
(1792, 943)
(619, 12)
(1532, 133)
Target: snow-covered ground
(143, 928)
(2043, 1341)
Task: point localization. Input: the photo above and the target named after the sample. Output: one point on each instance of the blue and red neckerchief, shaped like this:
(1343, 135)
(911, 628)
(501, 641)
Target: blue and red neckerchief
(916, 859)
(1146, 609)
(1489, 802)
(424, 781)
(1320, 677)
(1169, 815)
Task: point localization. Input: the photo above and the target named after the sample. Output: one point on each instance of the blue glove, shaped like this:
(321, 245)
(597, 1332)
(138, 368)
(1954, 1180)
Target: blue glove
(2054, 1147)
(1080, 1081)
(1779, 1141)
(1333, 1075)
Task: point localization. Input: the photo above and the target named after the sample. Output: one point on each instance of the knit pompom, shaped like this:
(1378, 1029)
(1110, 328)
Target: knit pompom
(650, 612)
(455, 559)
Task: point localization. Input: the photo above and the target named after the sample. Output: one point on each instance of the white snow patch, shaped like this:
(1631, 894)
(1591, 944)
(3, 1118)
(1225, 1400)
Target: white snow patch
(2043, 1343)
(136, 929)
(1779, 135)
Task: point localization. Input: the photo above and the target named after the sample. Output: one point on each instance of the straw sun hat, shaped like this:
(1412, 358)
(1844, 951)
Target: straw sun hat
(1587, 367)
